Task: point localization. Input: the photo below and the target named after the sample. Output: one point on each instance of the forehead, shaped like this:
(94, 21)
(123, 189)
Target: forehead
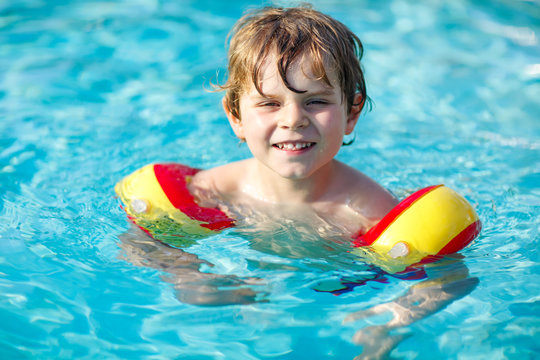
(302, 72)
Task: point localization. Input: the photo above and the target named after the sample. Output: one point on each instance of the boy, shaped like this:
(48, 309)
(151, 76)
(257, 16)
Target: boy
(295, 88)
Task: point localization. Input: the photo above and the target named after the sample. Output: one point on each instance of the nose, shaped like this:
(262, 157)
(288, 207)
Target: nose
(294, 117)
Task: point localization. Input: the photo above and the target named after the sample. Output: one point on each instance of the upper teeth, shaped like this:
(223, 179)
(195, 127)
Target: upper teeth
(293, 146)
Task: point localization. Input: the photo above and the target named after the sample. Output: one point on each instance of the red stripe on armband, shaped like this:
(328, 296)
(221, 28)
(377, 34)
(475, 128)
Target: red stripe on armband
(172, 179)
(376, 231)
(462, 239)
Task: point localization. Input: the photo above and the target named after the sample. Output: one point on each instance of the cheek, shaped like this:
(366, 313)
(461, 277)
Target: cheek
(334, 128)
(257, 134)
(260, 125)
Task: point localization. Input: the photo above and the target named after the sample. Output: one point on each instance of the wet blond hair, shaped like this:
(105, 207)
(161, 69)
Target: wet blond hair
(289, 33)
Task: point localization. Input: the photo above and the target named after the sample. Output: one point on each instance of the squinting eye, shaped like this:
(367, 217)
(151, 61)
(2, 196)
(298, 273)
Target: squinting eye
(317, 102)
(269, 104)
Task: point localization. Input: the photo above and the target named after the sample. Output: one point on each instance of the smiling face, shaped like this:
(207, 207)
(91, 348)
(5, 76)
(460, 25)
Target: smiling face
(294, 134)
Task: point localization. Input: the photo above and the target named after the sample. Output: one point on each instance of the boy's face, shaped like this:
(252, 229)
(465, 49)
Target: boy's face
(294, 134)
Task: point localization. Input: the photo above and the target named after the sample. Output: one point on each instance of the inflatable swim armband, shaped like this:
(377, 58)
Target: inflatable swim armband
(432, 221)
(157, 200)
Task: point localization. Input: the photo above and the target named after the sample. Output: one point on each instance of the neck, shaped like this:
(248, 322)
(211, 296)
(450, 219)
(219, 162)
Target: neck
(268, 186)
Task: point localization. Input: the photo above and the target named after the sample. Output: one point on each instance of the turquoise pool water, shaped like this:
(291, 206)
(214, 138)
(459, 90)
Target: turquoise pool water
(90, 91)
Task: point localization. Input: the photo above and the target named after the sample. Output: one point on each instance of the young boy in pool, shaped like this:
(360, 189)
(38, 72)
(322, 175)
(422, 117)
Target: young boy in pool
(295, 88)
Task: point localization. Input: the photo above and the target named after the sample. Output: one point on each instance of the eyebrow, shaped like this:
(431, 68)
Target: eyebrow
(329, 91)
(325, 92)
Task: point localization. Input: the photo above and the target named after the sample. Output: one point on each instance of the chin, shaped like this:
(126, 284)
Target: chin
(296, 174)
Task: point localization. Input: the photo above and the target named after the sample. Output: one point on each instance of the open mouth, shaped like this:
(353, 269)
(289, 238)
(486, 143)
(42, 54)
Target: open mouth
(293, 146)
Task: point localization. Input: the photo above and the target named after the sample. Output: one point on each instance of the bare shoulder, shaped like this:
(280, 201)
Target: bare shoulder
(222, 179)
(365, 195)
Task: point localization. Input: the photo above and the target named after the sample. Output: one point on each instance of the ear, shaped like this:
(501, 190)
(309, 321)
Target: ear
(235, 122)
(354, 114)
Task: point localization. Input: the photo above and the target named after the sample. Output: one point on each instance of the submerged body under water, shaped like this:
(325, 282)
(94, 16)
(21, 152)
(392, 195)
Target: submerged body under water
(91, 91)
(332, 267)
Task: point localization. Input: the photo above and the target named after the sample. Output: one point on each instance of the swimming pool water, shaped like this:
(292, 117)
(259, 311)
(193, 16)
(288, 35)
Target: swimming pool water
(90, 91)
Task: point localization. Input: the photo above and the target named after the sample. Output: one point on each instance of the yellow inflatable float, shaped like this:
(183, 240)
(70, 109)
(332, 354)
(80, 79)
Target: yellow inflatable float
(157, 200)
(433, 221)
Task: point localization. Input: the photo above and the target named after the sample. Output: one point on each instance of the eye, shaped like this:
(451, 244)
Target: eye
(268, 104)
(317, 102)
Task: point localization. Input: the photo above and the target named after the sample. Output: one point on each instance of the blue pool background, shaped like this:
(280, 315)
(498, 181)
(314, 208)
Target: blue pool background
(90, 91)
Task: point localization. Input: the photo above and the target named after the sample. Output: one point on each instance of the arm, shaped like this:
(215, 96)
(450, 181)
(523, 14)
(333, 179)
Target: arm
(448, 281)
(192, 285)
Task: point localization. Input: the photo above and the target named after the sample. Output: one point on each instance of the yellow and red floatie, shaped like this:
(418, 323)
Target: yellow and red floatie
(435, 220)
(156, 198)
(432, 221)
